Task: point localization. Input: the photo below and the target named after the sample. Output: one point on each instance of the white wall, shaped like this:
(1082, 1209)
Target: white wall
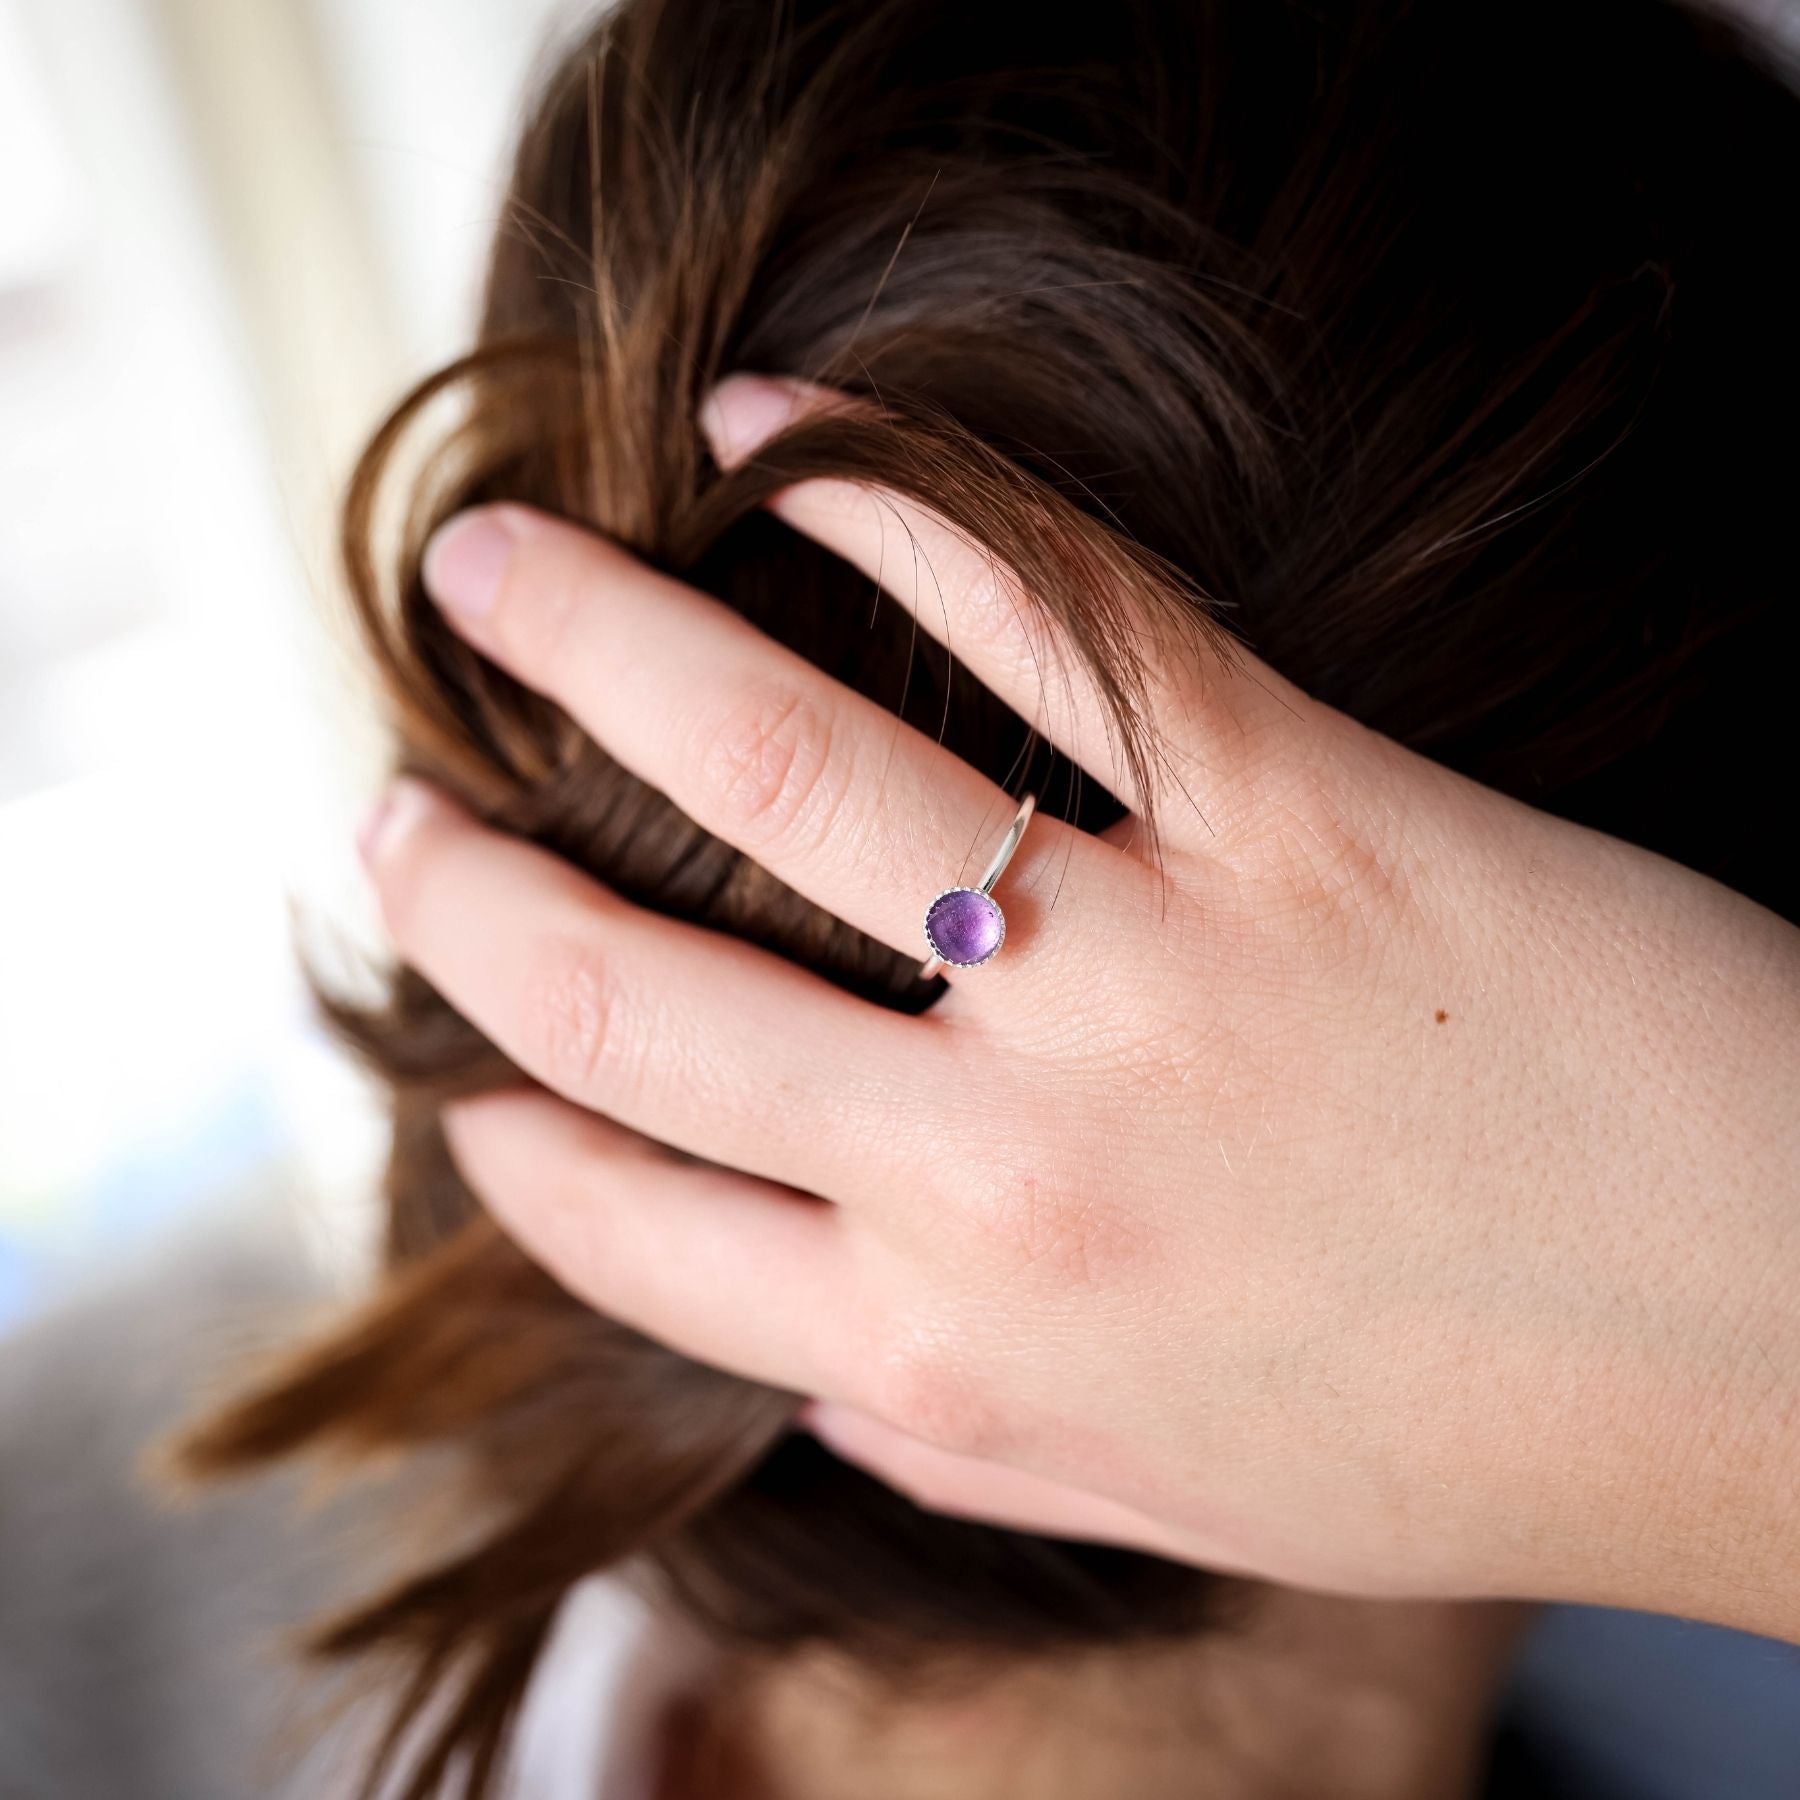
(430, 91)
(230, 232)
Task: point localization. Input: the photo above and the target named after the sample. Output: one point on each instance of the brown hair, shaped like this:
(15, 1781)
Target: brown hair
(1428, 347)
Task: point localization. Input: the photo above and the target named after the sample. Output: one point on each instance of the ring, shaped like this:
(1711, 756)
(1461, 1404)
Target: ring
(964, 926)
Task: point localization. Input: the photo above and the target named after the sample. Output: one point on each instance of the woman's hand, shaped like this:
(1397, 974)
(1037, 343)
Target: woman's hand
(1394, 1191)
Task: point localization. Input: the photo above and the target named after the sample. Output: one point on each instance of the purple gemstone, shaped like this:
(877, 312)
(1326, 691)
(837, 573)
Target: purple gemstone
(964, 926)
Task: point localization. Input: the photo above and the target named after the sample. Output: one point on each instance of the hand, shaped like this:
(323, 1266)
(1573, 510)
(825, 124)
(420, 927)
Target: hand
(1392, 1192)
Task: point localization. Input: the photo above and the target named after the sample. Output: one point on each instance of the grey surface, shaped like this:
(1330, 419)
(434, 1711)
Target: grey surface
(142, 1648)
(1627, 1707)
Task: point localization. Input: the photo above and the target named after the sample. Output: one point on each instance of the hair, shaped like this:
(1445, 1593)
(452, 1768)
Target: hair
(1440, 352)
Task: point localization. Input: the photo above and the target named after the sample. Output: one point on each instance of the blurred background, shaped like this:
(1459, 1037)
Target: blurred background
(230, 232)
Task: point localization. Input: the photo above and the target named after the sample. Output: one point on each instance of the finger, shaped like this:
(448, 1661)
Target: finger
(732, 1271)
(693, 1037)
(978, 609)
(967, 1487)
(859, 812)
(959, 593)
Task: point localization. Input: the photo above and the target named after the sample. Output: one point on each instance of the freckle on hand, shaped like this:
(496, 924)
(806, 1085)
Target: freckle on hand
(1441, 1015)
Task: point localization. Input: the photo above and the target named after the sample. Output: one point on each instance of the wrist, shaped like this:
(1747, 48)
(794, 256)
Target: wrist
(1726, 1543)
(1693, 1501)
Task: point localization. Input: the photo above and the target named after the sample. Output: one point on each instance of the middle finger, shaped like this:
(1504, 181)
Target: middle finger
(853, 808)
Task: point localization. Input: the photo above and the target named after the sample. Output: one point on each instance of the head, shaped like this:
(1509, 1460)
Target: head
(1422, 346)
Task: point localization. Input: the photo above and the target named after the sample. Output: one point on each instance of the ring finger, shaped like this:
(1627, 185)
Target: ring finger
(689, 1036)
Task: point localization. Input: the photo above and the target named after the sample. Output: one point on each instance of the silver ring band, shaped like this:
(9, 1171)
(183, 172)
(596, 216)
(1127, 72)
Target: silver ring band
(964, 926)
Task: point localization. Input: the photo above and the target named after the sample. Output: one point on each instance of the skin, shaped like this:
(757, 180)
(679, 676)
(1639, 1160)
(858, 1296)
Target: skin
(1390, 1192)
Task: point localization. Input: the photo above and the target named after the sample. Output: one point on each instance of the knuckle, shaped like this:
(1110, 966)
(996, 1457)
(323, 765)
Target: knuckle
(1328, 866)
(992, 606)
(767, 766)
(1062, 1240)
(569, 1029)
(925, 1391)
(1043, 1218)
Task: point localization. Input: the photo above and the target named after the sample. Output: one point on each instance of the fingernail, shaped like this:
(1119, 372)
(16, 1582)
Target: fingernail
(743, 412)
(392, 819)
(465, 561)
